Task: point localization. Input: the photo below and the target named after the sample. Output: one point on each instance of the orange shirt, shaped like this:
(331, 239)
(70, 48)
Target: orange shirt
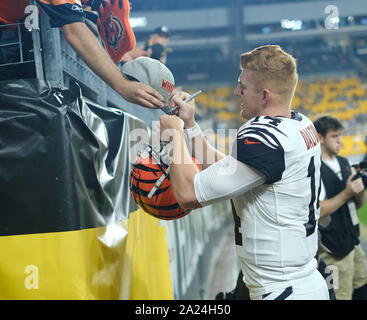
(12, 10)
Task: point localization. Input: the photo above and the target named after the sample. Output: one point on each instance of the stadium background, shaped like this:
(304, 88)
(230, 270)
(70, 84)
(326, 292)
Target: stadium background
(130, 255)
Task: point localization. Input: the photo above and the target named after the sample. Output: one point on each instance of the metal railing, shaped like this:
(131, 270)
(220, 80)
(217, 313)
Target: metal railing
(56, 62)
(18, 43)
(15, 36)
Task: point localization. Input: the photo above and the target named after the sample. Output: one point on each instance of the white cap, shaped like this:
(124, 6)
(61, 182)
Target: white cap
(153, 73)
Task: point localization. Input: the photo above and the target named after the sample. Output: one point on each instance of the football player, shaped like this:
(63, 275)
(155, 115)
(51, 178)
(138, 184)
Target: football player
(272, 177)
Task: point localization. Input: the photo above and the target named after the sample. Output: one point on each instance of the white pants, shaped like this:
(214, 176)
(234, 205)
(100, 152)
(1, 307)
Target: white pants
(312, 287)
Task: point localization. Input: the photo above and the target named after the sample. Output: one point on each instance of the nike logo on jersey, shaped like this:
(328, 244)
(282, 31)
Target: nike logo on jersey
(247, 141)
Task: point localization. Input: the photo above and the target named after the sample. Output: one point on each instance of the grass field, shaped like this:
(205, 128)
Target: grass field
(362, 213)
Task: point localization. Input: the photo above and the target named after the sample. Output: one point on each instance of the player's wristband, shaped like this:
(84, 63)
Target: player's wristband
(193, 132)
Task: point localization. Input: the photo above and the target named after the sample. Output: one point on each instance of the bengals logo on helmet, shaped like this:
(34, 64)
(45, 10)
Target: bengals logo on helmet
(151, 187)
(113, 30)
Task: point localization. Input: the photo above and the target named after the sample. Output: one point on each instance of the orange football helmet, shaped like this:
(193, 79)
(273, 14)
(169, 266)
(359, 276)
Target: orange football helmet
(151, 187)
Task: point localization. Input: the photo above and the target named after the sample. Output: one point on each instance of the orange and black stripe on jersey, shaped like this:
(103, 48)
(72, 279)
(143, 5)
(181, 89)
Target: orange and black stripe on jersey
(258, 147)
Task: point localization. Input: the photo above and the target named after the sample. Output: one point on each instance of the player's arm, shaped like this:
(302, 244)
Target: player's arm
(87, 46)
(225, 179)
(354, 188)
(182, 168)
(199, 147)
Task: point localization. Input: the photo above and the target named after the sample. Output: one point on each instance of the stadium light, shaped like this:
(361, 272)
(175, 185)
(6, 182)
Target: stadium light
(335, 21)
(291, 24)
(138, 22)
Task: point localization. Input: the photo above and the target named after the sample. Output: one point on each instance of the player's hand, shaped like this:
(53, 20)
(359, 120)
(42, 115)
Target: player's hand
(354, 186)
(170, 127)
(186, 110)
(141, 94)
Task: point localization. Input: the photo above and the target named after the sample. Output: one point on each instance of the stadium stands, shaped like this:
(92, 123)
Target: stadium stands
(344, 98)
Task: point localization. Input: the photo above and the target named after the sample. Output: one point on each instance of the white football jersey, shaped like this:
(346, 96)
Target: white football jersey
(276, 222)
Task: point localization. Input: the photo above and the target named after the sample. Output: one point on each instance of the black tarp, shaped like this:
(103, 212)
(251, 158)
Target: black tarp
(63, 162)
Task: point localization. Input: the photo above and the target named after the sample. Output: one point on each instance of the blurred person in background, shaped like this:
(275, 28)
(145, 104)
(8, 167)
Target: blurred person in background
(340, 197)
(156, 46)
(365, 143)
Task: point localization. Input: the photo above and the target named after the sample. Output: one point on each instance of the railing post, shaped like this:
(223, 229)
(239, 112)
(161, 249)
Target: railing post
(51, 49)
